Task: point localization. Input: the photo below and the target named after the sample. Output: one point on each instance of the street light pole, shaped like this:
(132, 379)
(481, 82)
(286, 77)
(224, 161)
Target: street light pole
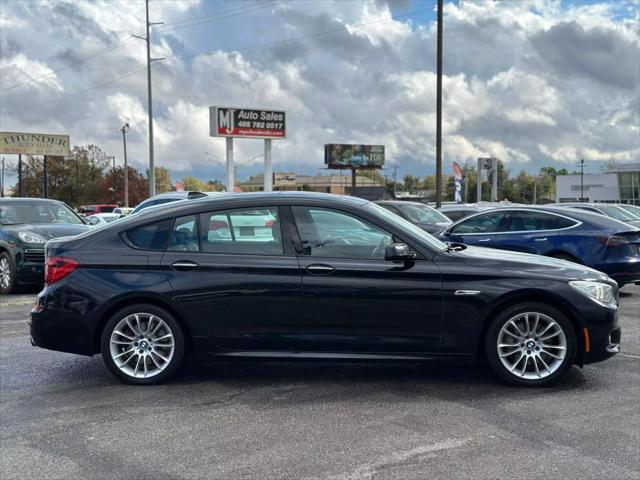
(581, 180)
(439, 110)
(124, 129)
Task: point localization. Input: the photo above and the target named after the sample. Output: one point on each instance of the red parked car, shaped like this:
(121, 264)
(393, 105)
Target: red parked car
(87, 210)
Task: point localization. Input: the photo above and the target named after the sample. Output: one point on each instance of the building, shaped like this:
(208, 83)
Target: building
(333, 183)
(620, 184)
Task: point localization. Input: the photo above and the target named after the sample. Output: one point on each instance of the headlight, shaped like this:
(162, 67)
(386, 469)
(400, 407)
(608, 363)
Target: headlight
(27, 237)
(598, 291)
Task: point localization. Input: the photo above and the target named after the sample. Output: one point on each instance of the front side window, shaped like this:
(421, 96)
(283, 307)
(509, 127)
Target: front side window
(248, 231)
(150, 237)
(482, 223)
(184, 237)
(333, 234)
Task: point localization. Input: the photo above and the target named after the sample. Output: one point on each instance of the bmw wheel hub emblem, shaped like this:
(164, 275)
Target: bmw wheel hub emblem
(531, 345)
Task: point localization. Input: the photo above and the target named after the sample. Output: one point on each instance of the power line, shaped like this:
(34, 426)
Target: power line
(222, 12)
(69, 65)
(94, 87)
(250, 47)
(180, 27)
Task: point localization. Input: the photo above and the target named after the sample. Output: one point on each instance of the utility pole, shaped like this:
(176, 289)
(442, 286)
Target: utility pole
(535, 189)
(2, 180)
(45, 178)
(395, 177)
(124, 130)
(147, 39)
(20, 186)
(439, 110)
(581, 179)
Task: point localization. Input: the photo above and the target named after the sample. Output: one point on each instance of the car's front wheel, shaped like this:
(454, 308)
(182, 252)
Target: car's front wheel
(7, 274)
(530, 344)
(142, 344)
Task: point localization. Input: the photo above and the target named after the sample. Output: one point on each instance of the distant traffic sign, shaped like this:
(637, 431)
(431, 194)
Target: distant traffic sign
(247, 123)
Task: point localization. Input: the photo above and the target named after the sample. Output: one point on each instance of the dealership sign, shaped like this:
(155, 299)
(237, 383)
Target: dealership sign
(34, 144)
(247, 123)
(353, 156)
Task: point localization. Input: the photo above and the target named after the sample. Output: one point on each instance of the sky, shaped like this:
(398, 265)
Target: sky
(532, 82)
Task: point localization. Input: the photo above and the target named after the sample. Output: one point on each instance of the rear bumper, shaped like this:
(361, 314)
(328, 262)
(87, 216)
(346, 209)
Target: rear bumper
(622, 272)
(61, 329)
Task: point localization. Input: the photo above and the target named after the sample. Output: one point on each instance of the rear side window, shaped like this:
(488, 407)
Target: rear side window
(184, 237)
(531, 221)
(247, 231)
(150, 237)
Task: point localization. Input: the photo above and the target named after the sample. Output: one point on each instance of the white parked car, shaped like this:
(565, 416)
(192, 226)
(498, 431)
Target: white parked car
(102, 218)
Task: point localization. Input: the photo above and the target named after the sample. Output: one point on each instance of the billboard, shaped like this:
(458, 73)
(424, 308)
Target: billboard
(34, 144)
(284, 179)
(353, 156)
(457, 175)
(246, 123)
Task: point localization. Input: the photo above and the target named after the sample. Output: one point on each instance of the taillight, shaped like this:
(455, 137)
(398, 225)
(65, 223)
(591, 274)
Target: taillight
(268, 223)
(616, 241)
(57, 268)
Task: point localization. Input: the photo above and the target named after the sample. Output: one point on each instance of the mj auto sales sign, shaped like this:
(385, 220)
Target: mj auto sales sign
(247, 123)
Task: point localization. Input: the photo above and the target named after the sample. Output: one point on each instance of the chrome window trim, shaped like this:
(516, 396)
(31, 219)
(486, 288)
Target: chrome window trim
(577, 223)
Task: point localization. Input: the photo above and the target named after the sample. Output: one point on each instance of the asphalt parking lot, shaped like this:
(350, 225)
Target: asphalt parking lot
(64, 416)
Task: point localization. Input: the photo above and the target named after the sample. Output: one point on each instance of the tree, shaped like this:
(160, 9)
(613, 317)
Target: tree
(163, 180)
(193, 184)
(112, 186)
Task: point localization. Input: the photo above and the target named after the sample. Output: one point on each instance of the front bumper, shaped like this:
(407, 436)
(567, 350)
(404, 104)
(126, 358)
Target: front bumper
(29, 263)
(602, 341)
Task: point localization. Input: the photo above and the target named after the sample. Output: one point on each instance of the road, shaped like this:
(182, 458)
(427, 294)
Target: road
(64, 416)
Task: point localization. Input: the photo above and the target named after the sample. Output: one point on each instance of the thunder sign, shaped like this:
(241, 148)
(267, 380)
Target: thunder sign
(247, 123)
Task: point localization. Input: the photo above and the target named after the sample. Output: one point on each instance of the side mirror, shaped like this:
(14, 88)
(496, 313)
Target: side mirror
(398, 252)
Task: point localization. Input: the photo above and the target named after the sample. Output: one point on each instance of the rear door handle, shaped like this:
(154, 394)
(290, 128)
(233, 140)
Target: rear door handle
(484, 240)
(319, 269)
(184, 265)
(540, 239)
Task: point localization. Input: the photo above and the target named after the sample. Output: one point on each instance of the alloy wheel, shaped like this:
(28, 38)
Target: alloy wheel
(532, 345)
(5, 273)
(142, 345)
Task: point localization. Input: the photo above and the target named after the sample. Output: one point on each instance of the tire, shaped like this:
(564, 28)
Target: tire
(148, 347)
(8, 283)
(530, 360)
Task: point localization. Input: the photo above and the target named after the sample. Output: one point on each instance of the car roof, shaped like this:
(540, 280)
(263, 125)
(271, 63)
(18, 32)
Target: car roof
(28, 200)
(400, 202)
(575, 213)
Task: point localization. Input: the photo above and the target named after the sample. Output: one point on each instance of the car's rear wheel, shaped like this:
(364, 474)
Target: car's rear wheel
(530, 344)
(8, 282)
(142, 344)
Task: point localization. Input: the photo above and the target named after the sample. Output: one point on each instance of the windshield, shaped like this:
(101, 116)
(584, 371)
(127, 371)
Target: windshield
(37, 212)
(432, 241)
(632, 209)
(616, 212)
(422, 213)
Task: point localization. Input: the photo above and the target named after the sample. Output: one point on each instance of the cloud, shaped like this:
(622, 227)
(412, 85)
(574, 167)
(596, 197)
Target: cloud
(535, 83)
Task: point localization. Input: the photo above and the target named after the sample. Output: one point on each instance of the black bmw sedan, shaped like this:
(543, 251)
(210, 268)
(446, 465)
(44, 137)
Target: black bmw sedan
(301, 275)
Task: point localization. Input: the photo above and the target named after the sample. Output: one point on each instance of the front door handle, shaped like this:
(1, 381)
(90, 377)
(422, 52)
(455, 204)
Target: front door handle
(540, 239)
(184, 265)
(484, 240)
(319, 269)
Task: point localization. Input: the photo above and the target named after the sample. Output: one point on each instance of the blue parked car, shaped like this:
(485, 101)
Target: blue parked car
(600, 242)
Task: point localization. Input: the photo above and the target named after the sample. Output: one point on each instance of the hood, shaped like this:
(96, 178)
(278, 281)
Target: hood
(48, 230)
(537, 265)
